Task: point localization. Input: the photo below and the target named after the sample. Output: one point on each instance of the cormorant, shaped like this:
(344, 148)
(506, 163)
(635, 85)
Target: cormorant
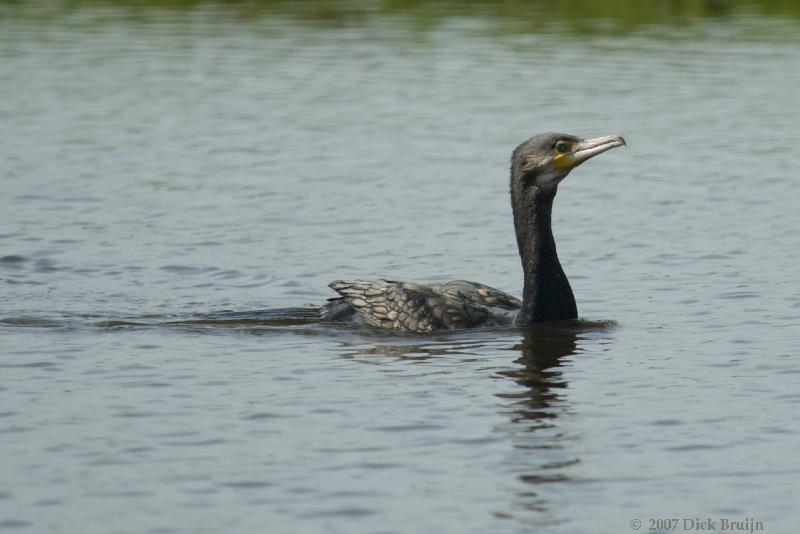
(537, 167)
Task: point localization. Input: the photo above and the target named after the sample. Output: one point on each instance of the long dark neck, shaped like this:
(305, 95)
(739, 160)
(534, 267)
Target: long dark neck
(547, 295)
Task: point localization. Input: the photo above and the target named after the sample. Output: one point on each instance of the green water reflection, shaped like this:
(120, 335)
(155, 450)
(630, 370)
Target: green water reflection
(575, 16)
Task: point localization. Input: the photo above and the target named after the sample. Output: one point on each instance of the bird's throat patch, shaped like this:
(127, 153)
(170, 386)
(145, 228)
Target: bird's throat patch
(563, 161)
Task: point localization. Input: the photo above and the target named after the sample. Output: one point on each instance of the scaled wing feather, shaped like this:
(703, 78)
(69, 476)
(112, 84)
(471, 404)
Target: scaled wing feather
(422, 307)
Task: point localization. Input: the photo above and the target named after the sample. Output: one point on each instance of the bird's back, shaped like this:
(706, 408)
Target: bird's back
(419, 307)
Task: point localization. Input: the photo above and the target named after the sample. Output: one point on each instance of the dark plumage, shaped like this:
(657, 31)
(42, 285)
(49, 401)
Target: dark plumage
(537, 167)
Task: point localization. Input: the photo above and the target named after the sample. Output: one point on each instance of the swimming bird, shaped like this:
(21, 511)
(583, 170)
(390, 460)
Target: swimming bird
(538, 165)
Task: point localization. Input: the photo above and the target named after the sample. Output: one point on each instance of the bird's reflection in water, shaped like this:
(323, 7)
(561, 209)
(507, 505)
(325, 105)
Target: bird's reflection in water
(414, 352)
(541, 350)
(541, 452)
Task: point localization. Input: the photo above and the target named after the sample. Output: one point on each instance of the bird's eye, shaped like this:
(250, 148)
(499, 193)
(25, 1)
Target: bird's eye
(562, 147)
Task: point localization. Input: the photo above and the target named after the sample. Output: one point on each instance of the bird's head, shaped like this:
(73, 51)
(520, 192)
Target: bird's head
(545, 159)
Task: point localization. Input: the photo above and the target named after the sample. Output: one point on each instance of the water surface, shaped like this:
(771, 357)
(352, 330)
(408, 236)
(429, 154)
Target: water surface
(193, 161)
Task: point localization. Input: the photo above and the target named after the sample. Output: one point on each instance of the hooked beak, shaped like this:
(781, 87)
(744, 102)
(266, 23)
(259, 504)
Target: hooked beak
(586, 149)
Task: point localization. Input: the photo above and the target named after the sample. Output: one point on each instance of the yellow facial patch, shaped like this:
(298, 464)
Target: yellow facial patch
(563, 158)
(563, 161)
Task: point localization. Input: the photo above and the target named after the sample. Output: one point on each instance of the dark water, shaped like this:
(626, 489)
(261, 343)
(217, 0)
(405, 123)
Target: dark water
(191, 162)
